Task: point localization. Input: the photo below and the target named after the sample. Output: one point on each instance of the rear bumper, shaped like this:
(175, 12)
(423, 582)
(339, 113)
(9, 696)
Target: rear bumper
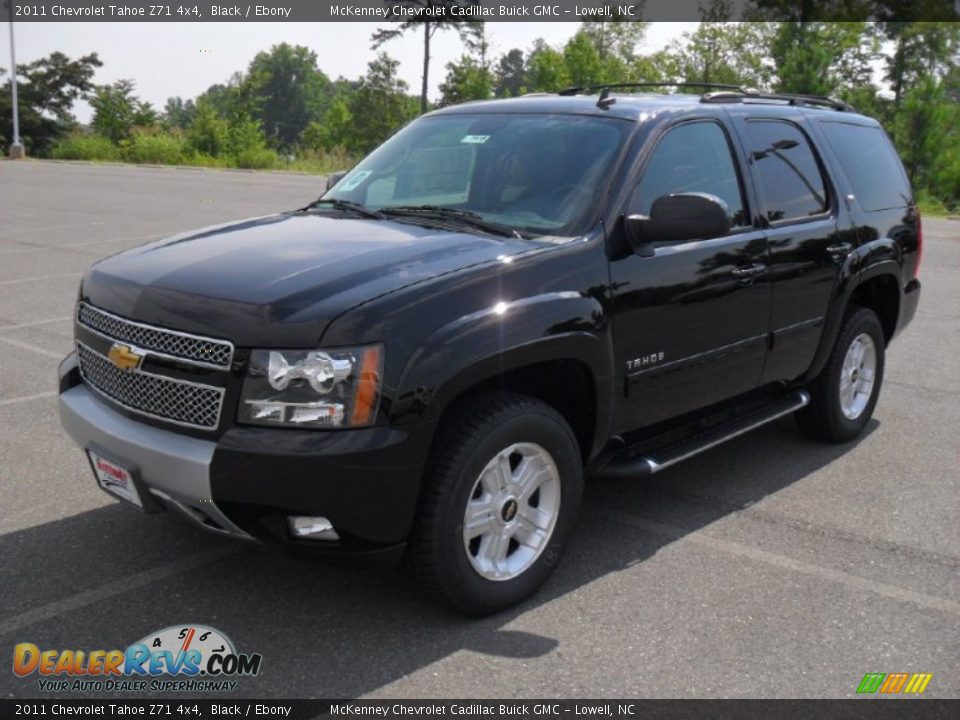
(247, 482)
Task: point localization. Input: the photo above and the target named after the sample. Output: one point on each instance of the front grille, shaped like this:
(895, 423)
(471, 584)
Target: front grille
(177, 401)
(191, 348)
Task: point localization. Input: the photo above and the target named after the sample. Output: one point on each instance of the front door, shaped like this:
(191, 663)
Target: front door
(691, 322)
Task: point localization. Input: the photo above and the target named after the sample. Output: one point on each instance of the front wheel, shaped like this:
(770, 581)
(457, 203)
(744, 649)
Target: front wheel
(845, 393)
(502, 492)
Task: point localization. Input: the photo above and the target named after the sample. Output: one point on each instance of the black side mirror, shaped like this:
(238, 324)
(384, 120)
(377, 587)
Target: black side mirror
(334, 178)
(677, 218)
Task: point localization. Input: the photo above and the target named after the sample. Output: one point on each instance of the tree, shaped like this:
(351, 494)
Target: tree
(286, 92)
(510, 74)
(546, 68)
(47, 90)
(116, 111)
(208, 131)
(820, 58)
(178, 113)
(470, 30)
(379, 106)
(467, 79)
(583, 62)
(618, 37)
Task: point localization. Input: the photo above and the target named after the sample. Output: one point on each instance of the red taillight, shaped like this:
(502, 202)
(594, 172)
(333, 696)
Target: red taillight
(916, 268)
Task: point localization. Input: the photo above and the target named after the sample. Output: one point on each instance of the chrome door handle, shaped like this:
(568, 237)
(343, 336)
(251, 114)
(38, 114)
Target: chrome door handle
(749, 273)
(839, 250)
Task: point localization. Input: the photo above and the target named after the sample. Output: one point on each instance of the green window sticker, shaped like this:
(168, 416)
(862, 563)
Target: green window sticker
(475, 139)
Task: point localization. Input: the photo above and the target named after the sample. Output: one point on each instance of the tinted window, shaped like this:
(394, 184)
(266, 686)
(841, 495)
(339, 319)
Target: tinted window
(694, 157)
(871, 165)
(789, 174)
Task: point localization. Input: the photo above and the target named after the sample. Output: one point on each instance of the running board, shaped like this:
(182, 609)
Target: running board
(625, 466)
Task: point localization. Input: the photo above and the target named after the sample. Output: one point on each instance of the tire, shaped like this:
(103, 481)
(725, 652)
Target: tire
(485, 458)
(834, 413)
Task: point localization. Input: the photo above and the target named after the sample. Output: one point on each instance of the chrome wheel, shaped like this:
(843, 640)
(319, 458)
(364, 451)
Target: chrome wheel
(857, 376)
(512, 511)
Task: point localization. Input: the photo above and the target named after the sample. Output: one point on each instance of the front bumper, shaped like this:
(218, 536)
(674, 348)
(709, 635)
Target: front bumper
(246, 483)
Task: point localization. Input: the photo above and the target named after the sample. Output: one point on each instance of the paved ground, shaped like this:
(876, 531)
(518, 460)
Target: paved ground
(770, 567)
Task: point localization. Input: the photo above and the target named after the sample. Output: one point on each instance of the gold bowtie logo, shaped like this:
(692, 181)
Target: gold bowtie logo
(125, 357)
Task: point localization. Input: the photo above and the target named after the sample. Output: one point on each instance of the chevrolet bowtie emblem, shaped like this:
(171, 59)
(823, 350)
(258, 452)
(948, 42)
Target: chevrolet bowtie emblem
(125, 357)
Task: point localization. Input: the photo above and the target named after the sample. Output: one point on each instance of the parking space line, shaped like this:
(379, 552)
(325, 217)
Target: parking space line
(854, 582)
(27, 398)
(35, 323)
(32, 348)
(40, 277)
(111, 589)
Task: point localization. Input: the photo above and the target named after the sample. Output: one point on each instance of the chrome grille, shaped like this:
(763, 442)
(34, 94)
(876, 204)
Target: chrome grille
(191, 348)
(177, 401)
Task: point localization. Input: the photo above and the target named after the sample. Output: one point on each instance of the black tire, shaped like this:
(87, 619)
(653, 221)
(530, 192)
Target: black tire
(477, 431)
(824, 418)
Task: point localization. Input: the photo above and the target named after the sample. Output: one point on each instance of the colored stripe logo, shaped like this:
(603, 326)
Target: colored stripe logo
(891, 683)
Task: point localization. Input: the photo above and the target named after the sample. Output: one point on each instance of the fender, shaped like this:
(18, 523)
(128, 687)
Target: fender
(479, 346)
(853, 273)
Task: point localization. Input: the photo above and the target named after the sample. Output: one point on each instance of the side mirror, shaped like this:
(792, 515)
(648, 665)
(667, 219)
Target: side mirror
(334, 178)
(677, 218)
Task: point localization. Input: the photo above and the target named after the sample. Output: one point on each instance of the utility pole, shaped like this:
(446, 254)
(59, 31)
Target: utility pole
(16, 147)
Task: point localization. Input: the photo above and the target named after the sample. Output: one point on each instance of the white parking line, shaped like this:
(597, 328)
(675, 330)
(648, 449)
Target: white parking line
(108, 590)
(32, 348)
(40, 277)
(928, 602)
(27, 398)
(35, 323)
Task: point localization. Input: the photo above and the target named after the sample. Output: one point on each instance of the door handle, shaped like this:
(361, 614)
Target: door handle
(840, 250)
(750, 273)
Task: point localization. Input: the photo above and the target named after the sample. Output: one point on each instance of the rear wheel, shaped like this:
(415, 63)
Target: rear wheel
(845, 393)
(501, 495)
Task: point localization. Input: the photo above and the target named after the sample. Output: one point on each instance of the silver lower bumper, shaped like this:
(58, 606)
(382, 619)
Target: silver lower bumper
(175, 468)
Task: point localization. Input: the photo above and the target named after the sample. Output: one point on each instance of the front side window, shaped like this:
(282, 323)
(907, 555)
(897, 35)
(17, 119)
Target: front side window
(790, 177)
(693, 157)
(534, 173)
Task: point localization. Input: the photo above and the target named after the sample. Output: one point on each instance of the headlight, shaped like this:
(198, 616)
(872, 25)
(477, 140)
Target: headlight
(312, 388)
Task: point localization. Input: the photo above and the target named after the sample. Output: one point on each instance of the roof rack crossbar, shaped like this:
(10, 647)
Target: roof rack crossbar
(581, 89)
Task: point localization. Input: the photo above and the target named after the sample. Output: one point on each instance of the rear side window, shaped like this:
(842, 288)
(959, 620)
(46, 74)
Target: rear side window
(870, 164)
(692, 157)
(790, 176)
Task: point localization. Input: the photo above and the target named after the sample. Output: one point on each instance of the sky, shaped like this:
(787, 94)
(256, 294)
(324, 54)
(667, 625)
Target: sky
(166, 59)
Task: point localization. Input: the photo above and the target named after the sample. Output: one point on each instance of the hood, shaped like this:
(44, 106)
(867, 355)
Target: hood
(279, 280)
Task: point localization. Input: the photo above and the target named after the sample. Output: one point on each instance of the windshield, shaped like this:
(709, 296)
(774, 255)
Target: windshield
(533, 173)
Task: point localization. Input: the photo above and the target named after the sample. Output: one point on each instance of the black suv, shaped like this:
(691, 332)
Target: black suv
(504, 298)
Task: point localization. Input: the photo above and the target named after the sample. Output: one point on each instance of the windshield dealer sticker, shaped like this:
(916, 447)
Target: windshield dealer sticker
(474, 139)
(349, 183)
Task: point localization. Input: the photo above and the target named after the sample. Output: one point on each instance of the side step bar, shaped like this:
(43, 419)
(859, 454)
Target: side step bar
(626, 466)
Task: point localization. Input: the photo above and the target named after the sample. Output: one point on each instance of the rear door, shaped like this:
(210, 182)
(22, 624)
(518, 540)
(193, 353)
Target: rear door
(690, 322)
(800, 208)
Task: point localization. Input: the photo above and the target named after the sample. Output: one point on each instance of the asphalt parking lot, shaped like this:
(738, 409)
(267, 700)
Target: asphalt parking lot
(772, 566)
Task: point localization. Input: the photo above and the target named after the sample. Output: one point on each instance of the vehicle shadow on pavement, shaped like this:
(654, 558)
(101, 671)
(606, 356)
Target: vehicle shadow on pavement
(106, 578)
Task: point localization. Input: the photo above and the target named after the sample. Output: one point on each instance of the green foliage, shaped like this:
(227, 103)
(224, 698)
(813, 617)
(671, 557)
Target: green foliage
(83, 146)
(379, 106)
(546, 69)
(116, 111)
(286, 92)
(467, 79)
(153, 147)
(47, 89)
(178, 113)
(510, 74)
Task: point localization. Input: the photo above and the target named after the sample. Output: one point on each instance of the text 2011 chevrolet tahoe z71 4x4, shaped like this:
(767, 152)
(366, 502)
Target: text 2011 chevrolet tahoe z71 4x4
(502, 299)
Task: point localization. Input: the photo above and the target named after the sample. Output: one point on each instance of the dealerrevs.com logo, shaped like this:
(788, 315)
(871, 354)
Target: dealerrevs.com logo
(180, 658)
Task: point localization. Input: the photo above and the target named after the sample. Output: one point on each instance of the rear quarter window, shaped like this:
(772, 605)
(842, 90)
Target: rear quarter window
(870, 164)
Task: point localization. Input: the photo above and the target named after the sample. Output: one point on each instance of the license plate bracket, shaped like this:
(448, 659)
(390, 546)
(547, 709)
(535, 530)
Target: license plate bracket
(120, 479)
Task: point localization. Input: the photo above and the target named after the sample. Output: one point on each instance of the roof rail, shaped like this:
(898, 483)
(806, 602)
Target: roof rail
(797, 99)
(582, 89)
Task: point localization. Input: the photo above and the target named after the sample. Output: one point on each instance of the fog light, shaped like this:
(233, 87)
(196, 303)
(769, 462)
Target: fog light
(311, 528)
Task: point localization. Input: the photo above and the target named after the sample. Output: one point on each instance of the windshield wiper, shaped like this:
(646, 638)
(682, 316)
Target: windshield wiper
(464, 217)
(348, 206)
